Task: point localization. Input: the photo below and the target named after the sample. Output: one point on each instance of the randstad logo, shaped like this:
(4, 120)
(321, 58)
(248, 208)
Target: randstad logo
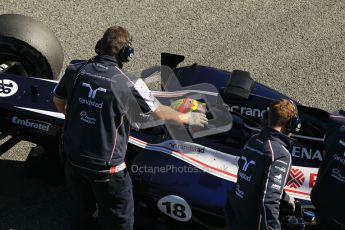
(242, 173)
(92, 95)
(252, 112)
(246, 163)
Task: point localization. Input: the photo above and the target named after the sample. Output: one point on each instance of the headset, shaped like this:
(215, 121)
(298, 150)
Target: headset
(293, 125)
(125, 54)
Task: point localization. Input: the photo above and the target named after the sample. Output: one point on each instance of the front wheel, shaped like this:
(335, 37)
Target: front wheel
(30, 44)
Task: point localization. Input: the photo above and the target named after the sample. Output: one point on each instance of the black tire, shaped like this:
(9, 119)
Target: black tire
(31, 43)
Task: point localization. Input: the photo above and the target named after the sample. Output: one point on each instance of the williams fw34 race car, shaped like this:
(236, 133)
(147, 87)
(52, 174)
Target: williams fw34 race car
(181, 175)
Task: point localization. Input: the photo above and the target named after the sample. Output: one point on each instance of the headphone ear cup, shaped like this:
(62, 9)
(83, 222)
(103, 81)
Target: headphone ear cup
(294, 125)
(126, 53)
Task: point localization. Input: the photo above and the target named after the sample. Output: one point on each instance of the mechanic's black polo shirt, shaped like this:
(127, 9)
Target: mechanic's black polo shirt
(263, 170)
(328, 194)
(100, 102)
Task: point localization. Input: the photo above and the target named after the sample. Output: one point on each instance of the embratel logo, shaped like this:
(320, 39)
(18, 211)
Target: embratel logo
(40, 125)
(190, 148)
(296, 179)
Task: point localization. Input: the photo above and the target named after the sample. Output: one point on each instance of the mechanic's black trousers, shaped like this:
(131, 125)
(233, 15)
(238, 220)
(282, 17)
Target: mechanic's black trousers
(324, 221)
(112, 193)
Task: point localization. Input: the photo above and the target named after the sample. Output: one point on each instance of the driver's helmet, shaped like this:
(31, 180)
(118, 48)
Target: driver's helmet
(186, 105)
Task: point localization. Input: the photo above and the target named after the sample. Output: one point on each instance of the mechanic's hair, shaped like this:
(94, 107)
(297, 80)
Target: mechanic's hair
(113, 40)
(280, 112)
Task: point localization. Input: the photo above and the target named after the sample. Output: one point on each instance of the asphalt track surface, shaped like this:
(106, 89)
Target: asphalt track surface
(296, 47)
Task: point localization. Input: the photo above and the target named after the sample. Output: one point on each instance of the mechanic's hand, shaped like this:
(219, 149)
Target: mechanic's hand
(292, 203)
(197, 119)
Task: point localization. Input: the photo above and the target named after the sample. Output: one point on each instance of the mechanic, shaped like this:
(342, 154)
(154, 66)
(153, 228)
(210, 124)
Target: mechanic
(328, 192)
(264, 166)
(95, 96)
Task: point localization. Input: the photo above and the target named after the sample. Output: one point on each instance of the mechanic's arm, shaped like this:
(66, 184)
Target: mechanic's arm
(192, 118)
(60, 104)
(273, 191)
(148, 103)
(60, 91)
